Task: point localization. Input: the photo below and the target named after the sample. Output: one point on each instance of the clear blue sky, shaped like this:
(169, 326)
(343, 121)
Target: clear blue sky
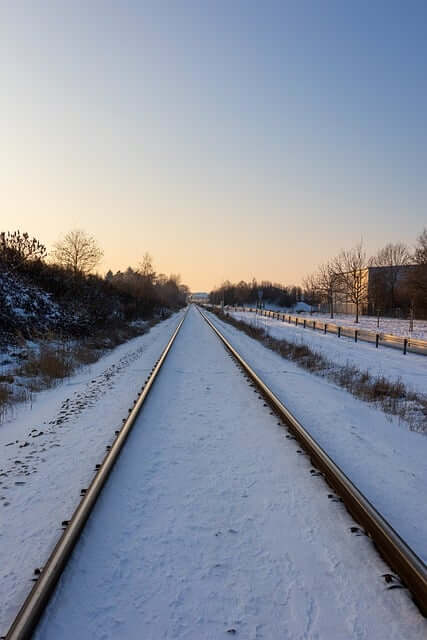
(228, 138)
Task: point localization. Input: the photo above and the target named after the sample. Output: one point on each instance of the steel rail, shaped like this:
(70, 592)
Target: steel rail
(26, 621)
(400, 557)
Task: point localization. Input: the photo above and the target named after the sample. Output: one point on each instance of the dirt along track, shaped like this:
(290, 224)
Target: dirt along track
(212, 524)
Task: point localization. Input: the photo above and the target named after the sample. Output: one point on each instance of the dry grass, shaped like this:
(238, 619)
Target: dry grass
(7, 379)
(56, 359)
(392, 397)
(86, 354)
(108, 339)
(50, 364)
(4, 399)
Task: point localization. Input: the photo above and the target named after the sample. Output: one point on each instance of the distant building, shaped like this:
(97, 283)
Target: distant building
(386, 290)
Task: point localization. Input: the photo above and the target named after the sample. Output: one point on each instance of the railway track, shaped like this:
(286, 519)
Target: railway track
(410, 568)
(401, 559)
(29, 615)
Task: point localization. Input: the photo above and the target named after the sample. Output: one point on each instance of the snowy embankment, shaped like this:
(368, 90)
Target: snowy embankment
(383, 458)
(48, 452)
(211, 525)
(390, 363)
(393, 326)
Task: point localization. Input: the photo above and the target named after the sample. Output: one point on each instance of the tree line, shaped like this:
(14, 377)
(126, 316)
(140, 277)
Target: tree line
(92, 301)
(392, 281)
(255, 292)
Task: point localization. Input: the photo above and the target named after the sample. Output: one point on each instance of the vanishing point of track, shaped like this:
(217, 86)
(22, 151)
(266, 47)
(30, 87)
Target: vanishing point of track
(410, 568)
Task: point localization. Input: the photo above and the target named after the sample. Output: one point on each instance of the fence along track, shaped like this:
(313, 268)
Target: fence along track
(33, 607)
(410, 568)
(405, 345)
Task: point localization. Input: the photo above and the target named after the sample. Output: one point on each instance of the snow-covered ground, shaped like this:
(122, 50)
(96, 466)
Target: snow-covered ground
(393, 326)
(391, 363)
(211, 524)
(48, 452)
(383, 458)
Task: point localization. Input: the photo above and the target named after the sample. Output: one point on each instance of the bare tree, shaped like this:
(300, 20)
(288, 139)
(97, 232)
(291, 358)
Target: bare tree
(377, 292)
(351, 271)
(420, 255)
(17, 248)
(146, 268)
(417, 280)
(77, 251)
(393, 257)
(325, 282)
(311, 294)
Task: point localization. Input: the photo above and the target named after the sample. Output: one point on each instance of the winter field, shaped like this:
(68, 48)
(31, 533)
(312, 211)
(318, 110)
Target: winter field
(197, 536)
(391, 326)
(391, 363)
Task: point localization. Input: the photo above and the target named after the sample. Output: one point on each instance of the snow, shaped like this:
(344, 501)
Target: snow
(391, 363)
(383, 458)
(48, 452)
(302, 306)
(211, 523)
(390, 326)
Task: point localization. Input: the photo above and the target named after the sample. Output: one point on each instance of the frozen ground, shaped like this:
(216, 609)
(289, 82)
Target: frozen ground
(211, 525)
(411, 368)
(383, 458)
(48, 453)
(394, 326)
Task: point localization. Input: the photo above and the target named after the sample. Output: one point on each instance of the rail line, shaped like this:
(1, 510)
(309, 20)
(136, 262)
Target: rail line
(409, 567)
(400, 557)
(31, 611)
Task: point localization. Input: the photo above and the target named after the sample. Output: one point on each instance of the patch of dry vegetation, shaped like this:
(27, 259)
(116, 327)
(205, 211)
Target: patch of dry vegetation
(392, 397)
(50, 364)
(10, 395)
(4, 399)
(55, 359)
